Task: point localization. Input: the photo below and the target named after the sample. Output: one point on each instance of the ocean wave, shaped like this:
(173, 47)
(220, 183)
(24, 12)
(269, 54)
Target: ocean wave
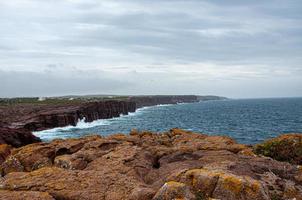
(163, 105)
(81, 124)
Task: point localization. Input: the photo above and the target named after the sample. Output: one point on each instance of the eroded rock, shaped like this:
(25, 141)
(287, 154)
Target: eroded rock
(16, 137)
(177, 164)
(24, 195)
(5, 151)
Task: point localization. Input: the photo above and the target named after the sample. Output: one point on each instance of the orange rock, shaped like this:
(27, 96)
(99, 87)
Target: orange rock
(5, 150)
(24, 195)
(144, 166)
(174, 190)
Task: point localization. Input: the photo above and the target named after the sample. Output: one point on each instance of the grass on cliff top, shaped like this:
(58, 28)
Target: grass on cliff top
(57, 100)
(287, 149)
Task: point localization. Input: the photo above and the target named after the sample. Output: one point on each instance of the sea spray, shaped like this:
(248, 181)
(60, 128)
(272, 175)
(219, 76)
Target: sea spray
(64, 132)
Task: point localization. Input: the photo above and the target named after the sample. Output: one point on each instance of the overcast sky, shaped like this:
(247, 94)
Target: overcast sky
(234, 48)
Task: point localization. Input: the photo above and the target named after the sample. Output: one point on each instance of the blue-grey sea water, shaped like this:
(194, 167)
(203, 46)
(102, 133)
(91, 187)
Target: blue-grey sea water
(248, 121)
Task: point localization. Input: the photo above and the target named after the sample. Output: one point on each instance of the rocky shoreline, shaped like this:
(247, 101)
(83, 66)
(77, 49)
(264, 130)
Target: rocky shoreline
(176, 164)
(19, 119)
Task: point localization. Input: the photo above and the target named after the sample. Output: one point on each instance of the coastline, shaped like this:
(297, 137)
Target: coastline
(30, 114)
(100, 122)
(144, 165)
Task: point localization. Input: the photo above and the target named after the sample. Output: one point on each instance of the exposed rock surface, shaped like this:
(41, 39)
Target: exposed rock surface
(24, 195)
(5, 151)
(144, 166)
(286, 147)
(16, 137)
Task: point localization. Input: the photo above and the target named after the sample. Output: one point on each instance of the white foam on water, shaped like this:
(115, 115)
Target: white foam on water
(81, 124)
(60, 132)
(162, 105)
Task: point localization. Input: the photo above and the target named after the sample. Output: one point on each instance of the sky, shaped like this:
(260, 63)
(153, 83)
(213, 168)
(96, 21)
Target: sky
(234, 48)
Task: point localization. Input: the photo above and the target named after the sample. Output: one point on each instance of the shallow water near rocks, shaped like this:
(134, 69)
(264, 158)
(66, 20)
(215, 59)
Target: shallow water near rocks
(248, 121)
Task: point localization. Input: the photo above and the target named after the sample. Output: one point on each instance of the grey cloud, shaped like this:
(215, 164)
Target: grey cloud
(144, 35)
(175, 35)
(51, 83)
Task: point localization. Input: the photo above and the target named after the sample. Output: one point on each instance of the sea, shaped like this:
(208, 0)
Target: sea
(248, 121)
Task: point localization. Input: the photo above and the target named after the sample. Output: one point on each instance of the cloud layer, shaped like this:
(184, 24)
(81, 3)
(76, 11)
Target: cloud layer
(228, 48)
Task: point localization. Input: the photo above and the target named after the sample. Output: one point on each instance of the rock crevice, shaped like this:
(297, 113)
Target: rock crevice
(143, 166)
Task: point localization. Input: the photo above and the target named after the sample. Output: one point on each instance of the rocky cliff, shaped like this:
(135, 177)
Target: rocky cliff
(146, 166)
(17, 121)
(39, 116)
(17, 118)
(70, 115)
(35, 117)
(17, 137)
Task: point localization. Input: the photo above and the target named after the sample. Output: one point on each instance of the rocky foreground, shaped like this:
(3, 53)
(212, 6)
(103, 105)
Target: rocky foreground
(144, 166)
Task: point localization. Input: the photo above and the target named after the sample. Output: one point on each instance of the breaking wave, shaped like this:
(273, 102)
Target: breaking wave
(64, 132)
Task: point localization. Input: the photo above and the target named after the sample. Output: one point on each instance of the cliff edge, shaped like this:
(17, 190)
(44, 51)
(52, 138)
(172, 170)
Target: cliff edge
(20, 116)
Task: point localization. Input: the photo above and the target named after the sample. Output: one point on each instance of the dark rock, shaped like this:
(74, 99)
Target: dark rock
(70, 115)
(17, 137)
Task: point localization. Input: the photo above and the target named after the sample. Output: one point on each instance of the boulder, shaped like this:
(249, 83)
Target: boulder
(17, 137)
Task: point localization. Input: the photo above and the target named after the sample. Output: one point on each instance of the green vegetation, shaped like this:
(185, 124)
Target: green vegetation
(35, 100)
(275, 196)
(17, 100)
(286, 148)
(200, 196)
(58, 100)
(88, 98)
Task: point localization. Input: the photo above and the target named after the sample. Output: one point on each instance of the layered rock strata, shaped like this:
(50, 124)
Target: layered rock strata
(70, 115)
(18, 121)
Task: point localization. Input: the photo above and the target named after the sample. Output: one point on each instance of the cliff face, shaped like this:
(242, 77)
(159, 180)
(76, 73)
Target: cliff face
(70, 115)
(147, 166)
(21, 118)
(39, 117)
(18, 122)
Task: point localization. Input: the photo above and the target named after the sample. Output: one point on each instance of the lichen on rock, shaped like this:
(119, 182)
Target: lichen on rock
(177, 164)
